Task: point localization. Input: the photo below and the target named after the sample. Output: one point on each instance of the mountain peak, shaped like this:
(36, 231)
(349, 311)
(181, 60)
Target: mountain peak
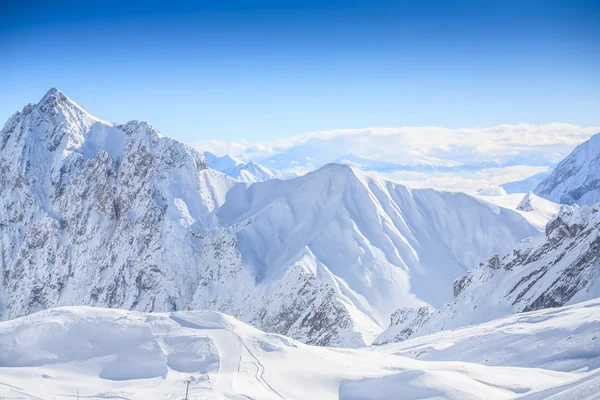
(525, 204)
(53, 92)
(140, 127)
(56, 102)
(336, 167)
(54, 96)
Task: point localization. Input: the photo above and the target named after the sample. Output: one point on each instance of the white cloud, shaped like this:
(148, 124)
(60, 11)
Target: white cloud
(466, 181)
(513, 144)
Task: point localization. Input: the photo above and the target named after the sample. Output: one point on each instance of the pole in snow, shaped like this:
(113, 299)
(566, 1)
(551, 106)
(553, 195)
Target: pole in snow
(187, 388)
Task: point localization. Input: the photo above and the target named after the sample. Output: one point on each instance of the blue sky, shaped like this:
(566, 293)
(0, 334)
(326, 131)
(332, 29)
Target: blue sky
(265, 69)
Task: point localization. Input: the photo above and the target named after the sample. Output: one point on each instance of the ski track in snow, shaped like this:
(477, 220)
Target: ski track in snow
(260, 369)
(228, 349)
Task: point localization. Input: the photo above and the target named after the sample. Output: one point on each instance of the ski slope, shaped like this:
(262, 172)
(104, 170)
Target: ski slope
(116, 354)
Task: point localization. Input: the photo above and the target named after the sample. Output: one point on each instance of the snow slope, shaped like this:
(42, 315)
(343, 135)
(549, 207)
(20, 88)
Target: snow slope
(109, 353)
(576, 179)
(559, 267)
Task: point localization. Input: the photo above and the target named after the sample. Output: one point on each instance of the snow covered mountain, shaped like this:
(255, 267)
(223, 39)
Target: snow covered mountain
(96, 213)
(242, 171)
(576, 179)
(559, 267)
(375, 242)
(108, 353)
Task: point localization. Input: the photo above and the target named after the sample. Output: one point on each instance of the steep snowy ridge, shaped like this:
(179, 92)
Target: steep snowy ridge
(576, 179)
(96, 213)
(108, 353)
(559, 267)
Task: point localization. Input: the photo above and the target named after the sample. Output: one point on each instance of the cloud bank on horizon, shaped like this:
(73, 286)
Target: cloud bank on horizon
(458, 159)
(502, 144)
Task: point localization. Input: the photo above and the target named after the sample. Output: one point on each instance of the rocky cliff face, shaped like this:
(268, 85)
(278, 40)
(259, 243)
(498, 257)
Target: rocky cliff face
(96, 213)
(90, 210)
(576, 179)
(558, 268)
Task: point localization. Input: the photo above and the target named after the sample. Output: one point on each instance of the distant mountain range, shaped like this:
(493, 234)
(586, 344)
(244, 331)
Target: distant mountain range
(242, 171)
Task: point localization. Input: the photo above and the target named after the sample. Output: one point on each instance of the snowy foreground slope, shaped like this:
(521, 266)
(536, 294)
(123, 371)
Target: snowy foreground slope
(109, 353)
(576, 179)
(559, 267)
(110, 215)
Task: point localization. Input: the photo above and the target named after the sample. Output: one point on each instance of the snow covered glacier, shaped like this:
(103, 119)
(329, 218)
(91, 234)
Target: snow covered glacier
(115, 215)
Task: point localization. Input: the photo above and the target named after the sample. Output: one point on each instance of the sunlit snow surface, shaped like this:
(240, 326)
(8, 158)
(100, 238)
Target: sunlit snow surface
(108, 353)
